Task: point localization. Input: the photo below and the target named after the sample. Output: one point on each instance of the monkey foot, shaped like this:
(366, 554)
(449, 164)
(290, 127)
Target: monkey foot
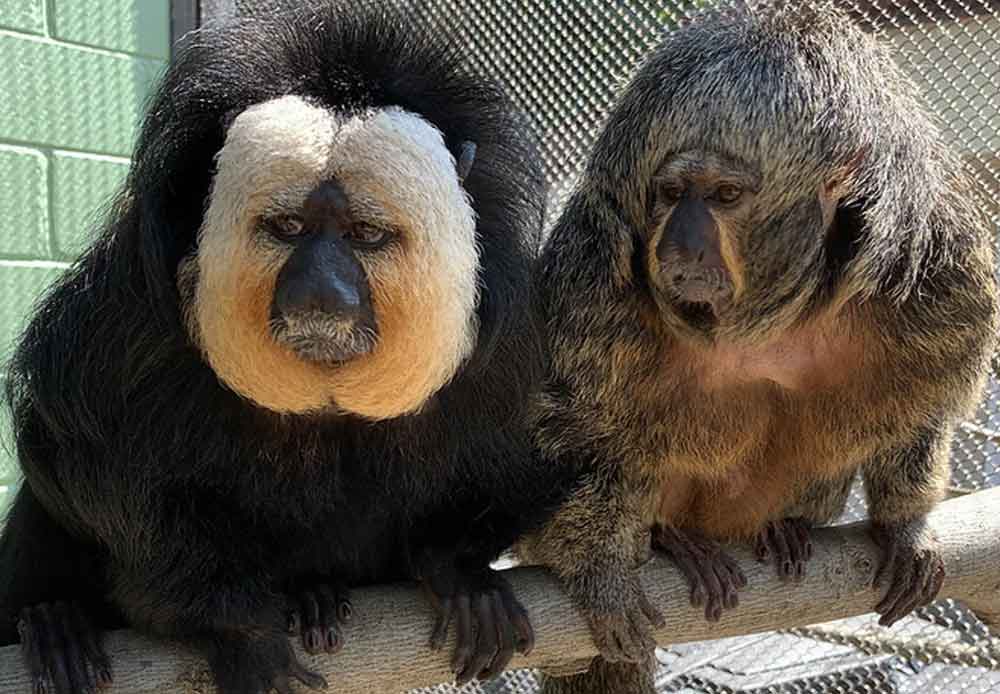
(787, 542)
(911, 567)
(483, 599)
(318, 615)
(713, 576)
(63, 650)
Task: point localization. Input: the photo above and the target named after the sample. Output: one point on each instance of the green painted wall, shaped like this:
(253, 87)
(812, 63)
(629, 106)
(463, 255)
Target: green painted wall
(76, 76)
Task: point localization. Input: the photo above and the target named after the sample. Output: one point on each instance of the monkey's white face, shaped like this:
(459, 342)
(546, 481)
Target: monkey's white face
(337, 261)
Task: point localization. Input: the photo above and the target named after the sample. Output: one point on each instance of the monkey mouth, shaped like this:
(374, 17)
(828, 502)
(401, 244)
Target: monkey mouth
(320, 339)
(711, 289)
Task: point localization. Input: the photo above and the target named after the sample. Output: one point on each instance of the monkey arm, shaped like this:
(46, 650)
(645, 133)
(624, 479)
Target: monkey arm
(595, 544)
(903, 485)
(451, 548)
(210, 588)
(907, 481)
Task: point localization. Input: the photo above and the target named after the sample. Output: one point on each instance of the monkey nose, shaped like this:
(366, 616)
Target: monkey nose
(324, 293)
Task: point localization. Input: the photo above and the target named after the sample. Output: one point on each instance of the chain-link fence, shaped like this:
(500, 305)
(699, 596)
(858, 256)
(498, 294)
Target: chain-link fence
(564, 61)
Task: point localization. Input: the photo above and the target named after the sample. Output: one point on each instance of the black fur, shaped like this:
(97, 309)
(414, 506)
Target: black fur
(191, 508)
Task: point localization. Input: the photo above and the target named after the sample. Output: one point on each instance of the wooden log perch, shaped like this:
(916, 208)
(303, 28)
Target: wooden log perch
(387, 651)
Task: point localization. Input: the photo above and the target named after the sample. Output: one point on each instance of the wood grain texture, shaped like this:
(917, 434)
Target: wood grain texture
(386, 643)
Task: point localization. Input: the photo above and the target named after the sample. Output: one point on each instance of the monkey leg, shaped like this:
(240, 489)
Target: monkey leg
(490, 623)
(317, 616)
(605, 677)
(787, 543)
(63, 650)
(911, 567)
(712, 575)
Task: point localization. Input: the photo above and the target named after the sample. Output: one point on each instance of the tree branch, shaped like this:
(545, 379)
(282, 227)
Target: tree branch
(387, 642)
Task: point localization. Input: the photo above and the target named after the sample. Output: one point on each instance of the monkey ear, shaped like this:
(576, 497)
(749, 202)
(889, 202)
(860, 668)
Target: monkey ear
(838, 186)
(466, 158)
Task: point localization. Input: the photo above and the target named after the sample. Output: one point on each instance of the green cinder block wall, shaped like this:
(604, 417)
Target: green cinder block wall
(76, 77)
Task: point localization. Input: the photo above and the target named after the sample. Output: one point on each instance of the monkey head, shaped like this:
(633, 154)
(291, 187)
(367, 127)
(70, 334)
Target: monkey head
(762, 170)
(337, 260)
(343, 223)
(722, 239)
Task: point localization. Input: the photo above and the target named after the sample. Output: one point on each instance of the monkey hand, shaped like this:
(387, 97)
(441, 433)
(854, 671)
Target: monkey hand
(712, 575)
(256, 663)
(620, 616)
(62, 650)
(787, 542)
(911, 567)
(501, 623)
(317, 615)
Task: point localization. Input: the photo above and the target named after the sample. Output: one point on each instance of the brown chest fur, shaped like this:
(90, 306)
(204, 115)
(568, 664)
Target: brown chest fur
(753, 426)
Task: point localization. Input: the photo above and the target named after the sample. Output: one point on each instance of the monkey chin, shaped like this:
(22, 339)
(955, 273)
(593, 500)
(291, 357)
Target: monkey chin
(323, 340)
(699, 301)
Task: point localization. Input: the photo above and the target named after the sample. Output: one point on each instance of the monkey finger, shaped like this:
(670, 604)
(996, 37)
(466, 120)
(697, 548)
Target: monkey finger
(926, 567)
(311, 634)
(524, 633)
(78, 638)
(641, 639)
(885, 568)
(899, 583)
(313, 680)
(52, 650)
(805, 539)
(735, 570)
(294, 626)
(654, 616)
(781, 552)
(907, 602)
(441, 624)
(486, 639)
(345, 610)
(330, 603)
(505, 640)
(31, 650)
(935, 582)
(606, 638)
(90, 641)
(762, 546)
(796, 543)
(464, 636)
(80, 674)
(688, 567)
(626, 642)
(730, 592)
(715, 593)
(621, 646)
(282, 685)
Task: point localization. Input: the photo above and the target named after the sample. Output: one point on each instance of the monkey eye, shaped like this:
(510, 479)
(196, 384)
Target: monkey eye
(728, 193)
(368, 237)
(286, 225)
(672, 192)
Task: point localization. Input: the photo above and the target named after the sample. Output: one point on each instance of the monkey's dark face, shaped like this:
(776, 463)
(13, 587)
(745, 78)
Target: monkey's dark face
(337, 262)
(322, 307)
(699, 204)
(731, 252)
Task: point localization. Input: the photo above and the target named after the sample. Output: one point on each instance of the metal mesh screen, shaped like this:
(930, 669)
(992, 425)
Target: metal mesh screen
(564, 60)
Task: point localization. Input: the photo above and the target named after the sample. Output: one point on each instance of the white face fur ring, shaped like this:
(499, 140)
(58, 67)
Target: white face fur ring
(337, 264)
